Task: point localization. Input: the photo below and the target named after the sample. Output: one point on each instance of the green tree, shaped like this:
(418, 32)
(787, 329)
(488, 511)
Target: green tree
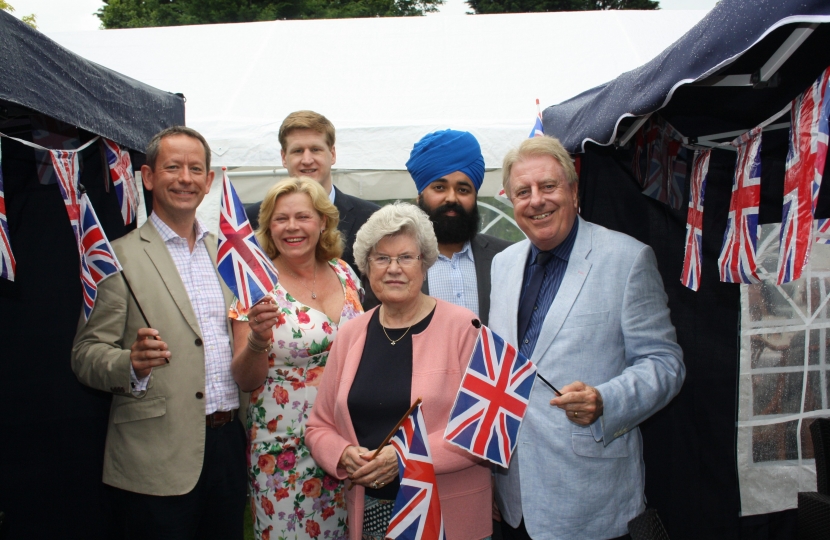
(30, 19)
(528, 6)
(143, 13)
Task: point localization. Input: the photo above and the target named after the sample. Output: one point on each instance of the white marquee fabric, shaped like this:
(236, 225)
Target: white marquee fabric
(384, 83)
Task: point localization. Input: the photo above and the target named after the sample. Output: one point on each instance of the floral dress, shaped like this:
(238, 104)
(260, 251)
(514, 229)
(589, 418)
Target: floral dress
(292, 497)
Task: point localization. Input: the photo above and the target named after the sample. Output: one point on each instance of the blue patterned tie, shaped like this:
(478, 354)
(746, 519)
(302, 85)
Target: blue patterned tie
(527, 303)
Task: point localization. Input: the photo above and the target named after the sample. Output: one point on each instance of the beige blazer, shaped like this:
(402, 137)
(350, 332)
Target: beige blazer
(155, 441)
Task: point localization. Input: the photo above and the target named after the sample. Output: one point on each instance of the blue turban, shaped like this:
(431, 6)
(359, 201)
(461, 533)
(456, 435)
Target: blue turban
(444, 152)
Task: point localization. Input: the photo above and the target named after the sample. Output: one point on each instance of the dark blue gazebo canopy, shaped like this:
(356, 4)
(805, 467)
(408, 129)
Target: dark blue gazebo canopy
(39, 74)
(738, 38)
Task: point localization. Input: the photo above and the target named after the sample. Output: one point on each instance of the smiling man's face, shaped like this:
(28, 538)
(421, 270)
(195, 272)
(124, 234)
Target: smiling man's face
(545, 205)
(180, 178)
(307, 153)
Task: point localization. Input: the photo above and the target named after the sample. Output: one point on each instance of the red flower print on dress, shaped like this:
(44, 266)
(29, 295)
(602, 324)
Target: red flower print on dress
(328, 511)
(302, 317)
(280, 395)
(327, 328)
(267, 506)
(312, 528)
(330, 483)
(281, 493)
(312, 488)
(272, 424)
(286, 460)
(313, 375)
(266, 463)
(280, 319)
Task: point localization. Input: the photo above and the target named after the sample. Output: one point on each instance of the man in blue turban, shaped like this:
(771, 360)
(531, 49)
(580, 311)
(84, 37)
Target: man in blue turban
(448, 169)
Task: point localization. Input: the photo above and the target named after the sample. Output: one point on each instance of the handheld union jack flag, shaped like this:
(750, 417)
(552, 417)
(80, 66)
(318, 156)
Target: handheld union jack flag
(693, 259)
(7, 262)
(121, 171)
(246, 269)
(802, 177)
(98, 259)
(417, 511)
(492, 400)
(538, 129)
(737, 257)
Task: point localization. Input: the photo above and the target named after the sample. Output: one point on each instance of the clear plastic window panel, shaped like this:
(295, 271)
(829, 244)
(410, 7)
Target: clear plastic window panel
(784, 382)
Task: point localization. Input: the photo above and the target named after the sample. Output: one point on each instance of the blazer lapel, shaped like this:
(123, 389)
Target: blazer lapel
(572, 282)
(344, 206)
(158, 254)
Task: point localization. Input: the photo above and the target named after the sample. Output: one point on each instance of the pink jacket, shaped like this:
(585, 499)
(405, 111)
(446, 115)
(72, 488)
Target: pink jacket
(440, 356)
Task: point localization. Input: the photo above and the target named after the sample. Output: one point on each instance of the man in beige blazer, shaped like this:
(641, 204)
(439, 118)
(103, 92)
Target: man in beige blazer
(173, 449)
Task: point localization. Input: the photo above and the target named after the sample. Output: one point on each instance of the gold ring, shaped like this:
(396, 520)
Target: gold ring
(375, 484)
(576, 414)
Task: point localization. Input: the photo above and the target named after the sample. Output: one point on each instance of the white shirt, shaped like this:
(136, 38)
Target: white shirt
(204, 290)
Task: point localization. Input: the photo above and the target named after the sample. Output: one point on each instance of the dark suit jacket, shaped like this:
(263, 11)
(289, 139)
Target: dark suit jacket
(353, 214)
(485, 247)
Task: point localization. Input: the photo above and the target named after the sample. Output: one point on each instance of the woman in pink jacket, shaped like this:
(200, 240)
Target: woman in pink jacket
(412, 346)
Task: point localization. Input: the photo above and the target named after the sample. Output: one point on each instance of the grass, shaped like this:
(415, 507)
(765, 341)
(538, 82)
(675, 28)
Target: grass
(249, 524)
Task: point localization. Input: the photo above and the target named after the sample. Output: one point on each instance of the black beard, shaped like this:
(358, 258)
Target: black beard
(452, 229)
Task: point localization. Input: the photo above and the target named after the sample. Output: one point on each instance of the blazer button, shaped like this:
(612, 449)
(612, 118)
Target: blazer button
(198, 342)
(199, 395)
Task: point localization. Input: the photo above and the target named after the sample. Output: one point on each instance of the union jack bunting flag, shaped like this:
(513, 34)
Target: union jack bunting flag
(823, 231)
(121, 171)
(7, 262)
(492, 400)
(246, 269)
(802, 177)
(737, 262)
(65, 163)
(416, 514)
(693, 259)
(98, 259)
(660, 162)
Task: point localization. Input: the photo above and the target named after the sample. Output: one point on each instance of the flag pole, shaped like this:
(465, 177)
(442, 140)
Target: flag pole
(392, 433)
(395, 429)
(538, 107)
(132, 294)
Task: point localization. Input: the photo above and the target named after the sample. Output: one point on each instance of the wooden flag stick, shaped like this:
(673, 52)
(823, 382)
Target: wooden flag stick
(143, 316)
(392, 433)
(395, 429)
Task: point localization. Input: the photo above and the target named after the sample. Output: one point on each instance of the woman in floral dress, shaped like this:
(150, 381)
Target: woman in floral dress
(280, 351)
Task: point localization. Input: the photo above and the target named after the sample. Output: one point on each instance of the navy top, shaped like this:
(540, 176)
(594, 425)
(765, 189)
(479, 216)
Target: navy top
(554, 272)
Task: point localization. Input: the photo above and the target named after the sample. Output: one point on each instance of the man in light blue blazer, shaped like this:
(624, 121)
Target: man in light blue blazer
(587, 306)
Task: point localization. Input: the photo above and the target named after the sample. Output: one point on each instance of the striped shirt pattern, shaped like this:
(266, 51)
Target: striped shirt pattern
(201, 282)
(454, 280)
(554, 272)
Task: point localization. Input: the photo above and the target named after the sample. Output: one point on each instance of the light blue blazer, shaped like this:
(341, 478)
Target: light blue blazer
(608, 327)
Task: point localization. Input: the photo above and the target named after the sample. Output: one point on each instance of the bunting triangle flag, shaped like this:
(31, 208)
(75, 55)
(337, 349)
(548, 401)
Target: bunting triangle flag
(737, 261)
(241, 262)
(693, 259)
(7, 262)
(98, 260)
(802, 178)
(123, 179)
